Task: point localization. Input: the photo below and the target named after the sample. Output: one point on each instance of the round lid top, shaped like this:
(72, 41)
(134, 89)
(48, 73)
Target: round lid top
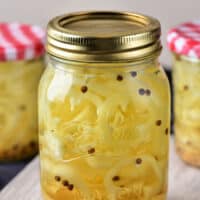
(103, 36)
(184, 39)
(21, 41)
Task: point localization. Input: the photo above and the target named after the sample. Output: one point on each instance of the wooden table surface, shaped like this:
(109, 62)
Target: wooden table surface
(184, 182)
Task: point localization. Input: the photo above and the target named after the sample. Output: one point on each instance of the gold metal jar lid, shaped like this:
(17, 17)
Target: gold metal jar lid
(103, 36)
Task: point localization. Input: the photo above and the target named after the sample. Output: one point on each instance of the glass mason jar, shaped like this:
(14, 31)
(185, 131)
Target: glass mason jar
(182, 41)
(186, 74)
(21, 65)
(104, 113)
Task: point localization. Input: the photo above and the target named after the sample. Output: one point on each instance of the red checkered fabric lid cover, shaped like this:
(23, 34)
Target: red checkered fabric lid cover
(20, 41)
(185, 39)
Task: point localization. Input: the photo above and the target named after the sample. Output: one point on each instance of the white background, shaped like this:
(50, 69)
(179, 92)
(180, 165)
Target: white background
(169, 12)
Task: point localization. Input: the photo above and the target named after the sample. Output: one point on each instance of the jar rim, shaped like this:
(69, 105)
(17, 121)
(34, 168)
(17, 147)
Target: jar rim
(103, 36)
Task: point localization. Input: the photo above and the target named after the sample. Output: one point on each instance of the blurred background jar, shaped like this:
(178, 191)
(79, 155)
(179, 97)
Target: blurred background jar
(21, 65)
(184, 43)
(104, 109)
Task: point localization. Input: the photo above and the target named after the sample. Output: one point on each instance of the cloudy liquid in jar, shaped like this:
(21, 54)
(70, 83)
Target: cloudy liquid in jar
(187, 109)
(18, 108)
(104, 136)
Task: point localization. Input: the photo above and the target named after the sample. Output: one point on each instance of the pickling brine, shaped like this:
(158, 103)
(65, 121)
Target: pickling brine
(183, 41)
(21, 66)
(18, 109)
(187, 110)
(104, 130)
(104, 136)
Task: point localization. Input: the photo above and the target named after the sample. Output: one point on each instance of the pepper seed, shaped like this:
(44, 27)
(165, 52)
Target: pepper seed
(138, 161)
(157, 72)
(70, 186)
(116, 178)
(91, 150)
(148, 92)
(84, 89)
(65, 183)
(166, 131)
(186, 87)
(119, 77)
(22, 107)
(57, 178)
(133, 74)
(158, 122)
(141, 91)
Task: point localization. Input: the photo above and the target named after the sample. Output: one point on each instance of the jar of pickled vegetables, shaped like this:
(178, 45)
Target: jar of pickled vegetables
(104, 109)
(184, 42)
(21, 65)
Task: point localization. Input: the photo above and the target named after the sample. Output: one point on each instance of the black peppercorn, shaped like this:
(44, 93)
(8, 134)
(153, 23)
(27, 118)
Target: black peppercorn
(84, 89)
